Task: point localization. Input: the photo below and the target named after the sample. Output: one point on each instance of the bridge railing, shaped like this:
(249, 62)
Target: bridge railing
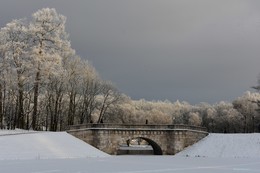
(136, 126)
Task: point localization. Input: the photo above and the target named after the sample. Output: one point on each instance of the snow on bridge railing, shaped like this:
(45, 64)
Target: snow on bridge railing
(136, 126)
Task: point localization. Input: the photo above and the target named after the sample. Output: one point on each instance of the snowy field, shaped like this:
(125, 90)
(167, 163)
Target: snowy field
(61, 153)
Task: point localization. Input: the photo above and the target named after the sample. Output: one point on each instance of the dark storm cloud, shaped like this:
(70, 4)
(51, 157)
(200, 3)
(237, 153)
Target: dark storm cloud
(192, 50)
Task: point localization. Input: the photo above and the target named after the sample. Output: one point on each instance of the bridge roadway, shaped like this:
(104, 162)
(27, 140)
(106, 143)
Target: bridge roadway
(164, 139)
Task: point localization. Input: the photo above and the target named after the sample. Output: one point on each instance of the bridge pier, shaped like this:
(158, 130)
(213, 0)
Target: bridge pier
(165, 139)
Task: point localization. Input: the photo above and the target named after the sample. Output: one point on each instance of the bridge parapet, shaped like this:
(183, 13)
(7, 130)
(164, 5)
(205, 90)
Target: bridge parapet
(137, 127)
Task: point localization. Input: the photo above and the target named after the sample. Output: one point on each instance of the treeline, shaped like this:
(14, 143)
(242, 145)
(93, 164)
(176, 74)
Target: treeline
(45, 85)
(240, 116)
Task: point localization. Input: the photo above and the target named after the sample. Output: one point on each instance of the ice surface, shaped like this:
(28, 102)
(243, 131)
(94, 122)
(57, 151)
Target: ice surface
(133, 164)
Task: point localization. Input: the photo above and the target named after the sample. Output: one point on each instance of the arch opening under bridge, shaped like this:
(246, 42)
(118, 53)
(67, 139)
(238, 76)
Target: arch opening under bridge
(140, 145)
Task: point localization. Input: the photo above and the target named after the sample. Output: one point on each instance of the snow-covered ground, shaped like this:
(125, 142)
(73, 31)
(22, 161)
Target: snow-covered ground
(226, 145)
(45, 145)
(59, 152)
(15, 132)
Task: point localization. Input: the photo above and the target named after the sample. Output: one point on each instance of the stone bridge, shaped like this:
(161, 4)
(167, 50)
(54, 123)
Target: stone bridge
(164, 139)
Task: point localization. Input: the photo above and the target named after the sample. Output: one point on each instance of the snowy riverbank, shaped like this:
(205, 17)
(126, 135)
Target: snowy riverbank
(59, 152)
(45, 145)
(226, 145)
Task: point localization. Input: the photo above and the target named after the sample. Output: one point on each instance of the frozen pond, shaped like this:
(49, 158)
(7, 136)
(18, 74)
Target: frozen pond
(133, 164)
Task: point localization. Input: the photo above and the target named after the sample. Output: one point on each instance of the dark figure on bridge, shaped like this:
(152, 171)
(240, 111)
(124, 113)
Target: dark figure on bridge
(128, 142)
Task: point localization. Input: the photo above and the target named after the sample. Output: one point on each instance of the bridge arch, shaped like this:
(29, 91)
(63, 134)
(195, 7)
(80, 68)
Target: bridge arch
(156, 148)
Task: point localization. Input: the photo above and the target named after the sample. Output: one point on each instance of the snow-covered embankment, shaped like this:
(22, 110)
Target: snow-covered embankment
(46, 145)
(225, 145)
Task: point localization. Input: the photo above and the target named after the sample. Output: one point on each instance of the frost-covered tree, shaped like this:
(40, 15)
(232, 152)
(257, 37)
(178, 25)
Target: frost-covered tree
(194, 119)
(181, 112)
(44, 84)
(209, 121)
(247, 107)
(48, 38)
(55, 91)
(109, 96)
(90, 88)
(15, 39)
(2, 79)
(257, 102)
(73, 75)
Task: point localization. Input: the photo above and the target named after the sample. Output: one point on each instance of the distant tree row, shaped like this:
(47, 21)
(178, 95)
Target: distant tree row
(240, 116)
(44, 85)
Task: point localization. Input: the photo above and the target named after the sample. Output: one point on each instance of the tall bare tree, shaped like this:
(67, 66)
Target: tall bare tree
(90, 88)
(109, 96)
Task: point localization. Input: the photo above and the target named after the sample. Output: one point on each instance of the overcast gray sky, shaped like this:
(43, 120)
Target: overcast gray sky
(187, 50)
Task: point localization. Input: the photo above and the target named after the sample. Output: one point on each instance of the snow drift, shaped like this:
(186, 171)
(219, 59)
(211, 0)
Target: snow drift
(45, 145)
(226, 145)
